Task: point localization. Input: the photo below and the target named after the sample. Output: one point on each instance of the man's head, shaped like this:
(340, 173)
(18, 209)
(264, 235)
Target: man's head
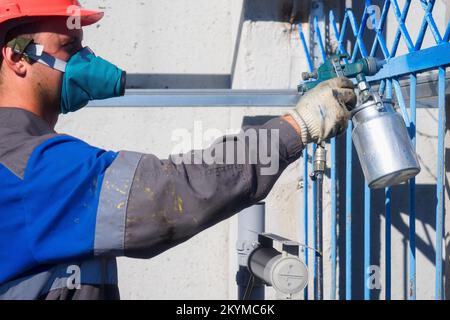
(19, 75)
(54, 24)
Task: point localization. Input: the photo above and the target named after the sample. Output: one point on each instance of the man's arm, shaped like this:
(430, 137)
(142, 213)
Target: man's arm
(168, 201)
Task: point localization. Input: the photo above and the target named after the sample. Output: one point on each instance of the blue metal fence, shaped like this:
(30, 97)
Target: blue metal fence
(417, 60)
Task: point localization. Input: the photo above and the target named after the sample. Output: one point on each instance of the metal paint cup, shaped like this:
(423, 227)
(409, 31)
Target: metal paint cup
(382, 142)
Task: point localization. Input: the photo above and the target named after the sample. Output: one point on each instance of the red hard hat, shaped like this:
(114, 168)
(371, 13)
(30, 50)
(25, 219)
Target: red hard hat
(17, 12)
(16, 9)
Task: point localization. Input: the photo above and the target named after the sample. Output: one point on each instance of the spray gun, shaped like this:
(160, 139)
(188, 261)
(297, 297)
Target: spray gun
(380, 136)
(334, 67)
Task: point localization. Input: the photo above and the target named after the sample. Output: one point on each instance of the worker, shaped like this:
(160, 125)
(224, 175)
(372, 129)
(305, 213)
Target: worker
(68, 209)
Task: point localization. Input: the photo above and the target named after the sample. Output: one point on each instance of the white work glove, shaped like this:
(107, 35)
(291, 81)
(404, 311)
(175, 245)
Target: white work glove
(322, 112)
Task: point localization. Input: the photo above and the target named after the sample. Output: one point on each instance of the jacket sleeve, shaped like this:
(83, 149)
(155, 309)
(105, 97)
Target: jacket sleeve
(82, 201)
(170, 201)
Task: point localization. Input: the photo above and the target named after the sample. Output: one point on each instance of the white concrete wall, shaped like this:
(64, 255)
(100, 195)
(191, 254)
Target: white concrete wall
(155, 36)
(199, 37)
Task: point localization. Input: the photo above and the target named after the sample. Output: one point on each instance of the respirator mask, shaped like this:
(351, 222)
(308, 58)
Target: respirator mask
(86, 76)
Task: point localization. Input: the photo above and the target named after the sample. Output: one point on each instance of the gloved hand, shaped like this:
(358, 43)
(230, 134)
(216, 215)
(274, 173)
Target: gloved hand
(323, 113)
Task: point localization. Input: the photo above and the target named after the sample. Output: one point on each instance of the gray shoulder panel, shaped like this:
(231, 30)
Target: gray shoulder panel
(21, 132)
(112, 208)
(16, 149)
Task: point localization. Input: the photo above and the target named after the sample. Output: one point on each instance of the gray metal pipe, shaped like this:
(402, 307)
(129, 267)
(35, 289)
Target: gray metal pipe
(287, 274)
(251, 222)
(261, 260)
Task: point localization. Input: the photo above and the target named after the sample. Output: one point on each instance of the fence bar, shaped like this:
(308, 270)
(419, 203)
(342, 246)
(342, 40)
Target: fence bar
(305, 209)
(402, 27)
(379, 31)
(348, 212)
(333, 24)
(305, 164)
(424, 26)
(412, 197)
(341, 36)
(387, 239)
(447, 33)
(333, 219)
(320, 40)
(305, 48)
(401, 102)
(388, 226)
(367, 242)
(418, 61)
(440, 184)
(399, 33)
(359, 36)
(333, 187)
(433, 27)
(314, 224)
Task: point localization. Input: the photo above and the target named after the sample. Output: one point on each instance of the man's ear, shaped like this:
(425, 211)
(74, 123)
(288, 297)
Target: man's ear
(14, 61)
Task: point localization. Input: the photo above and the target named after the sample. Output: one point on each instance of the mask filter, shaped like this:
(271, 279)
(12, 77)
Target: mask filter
(88, 77)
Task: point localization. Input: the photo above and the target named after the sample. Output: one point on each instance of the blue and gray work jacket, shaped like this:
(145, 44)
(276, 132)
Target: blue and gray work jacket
(68, 209)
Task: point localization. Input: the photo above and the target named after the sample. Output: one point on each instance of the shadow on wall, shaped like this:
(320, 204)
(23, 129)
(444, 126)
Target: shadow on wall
(289, 11)
(178, 81)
